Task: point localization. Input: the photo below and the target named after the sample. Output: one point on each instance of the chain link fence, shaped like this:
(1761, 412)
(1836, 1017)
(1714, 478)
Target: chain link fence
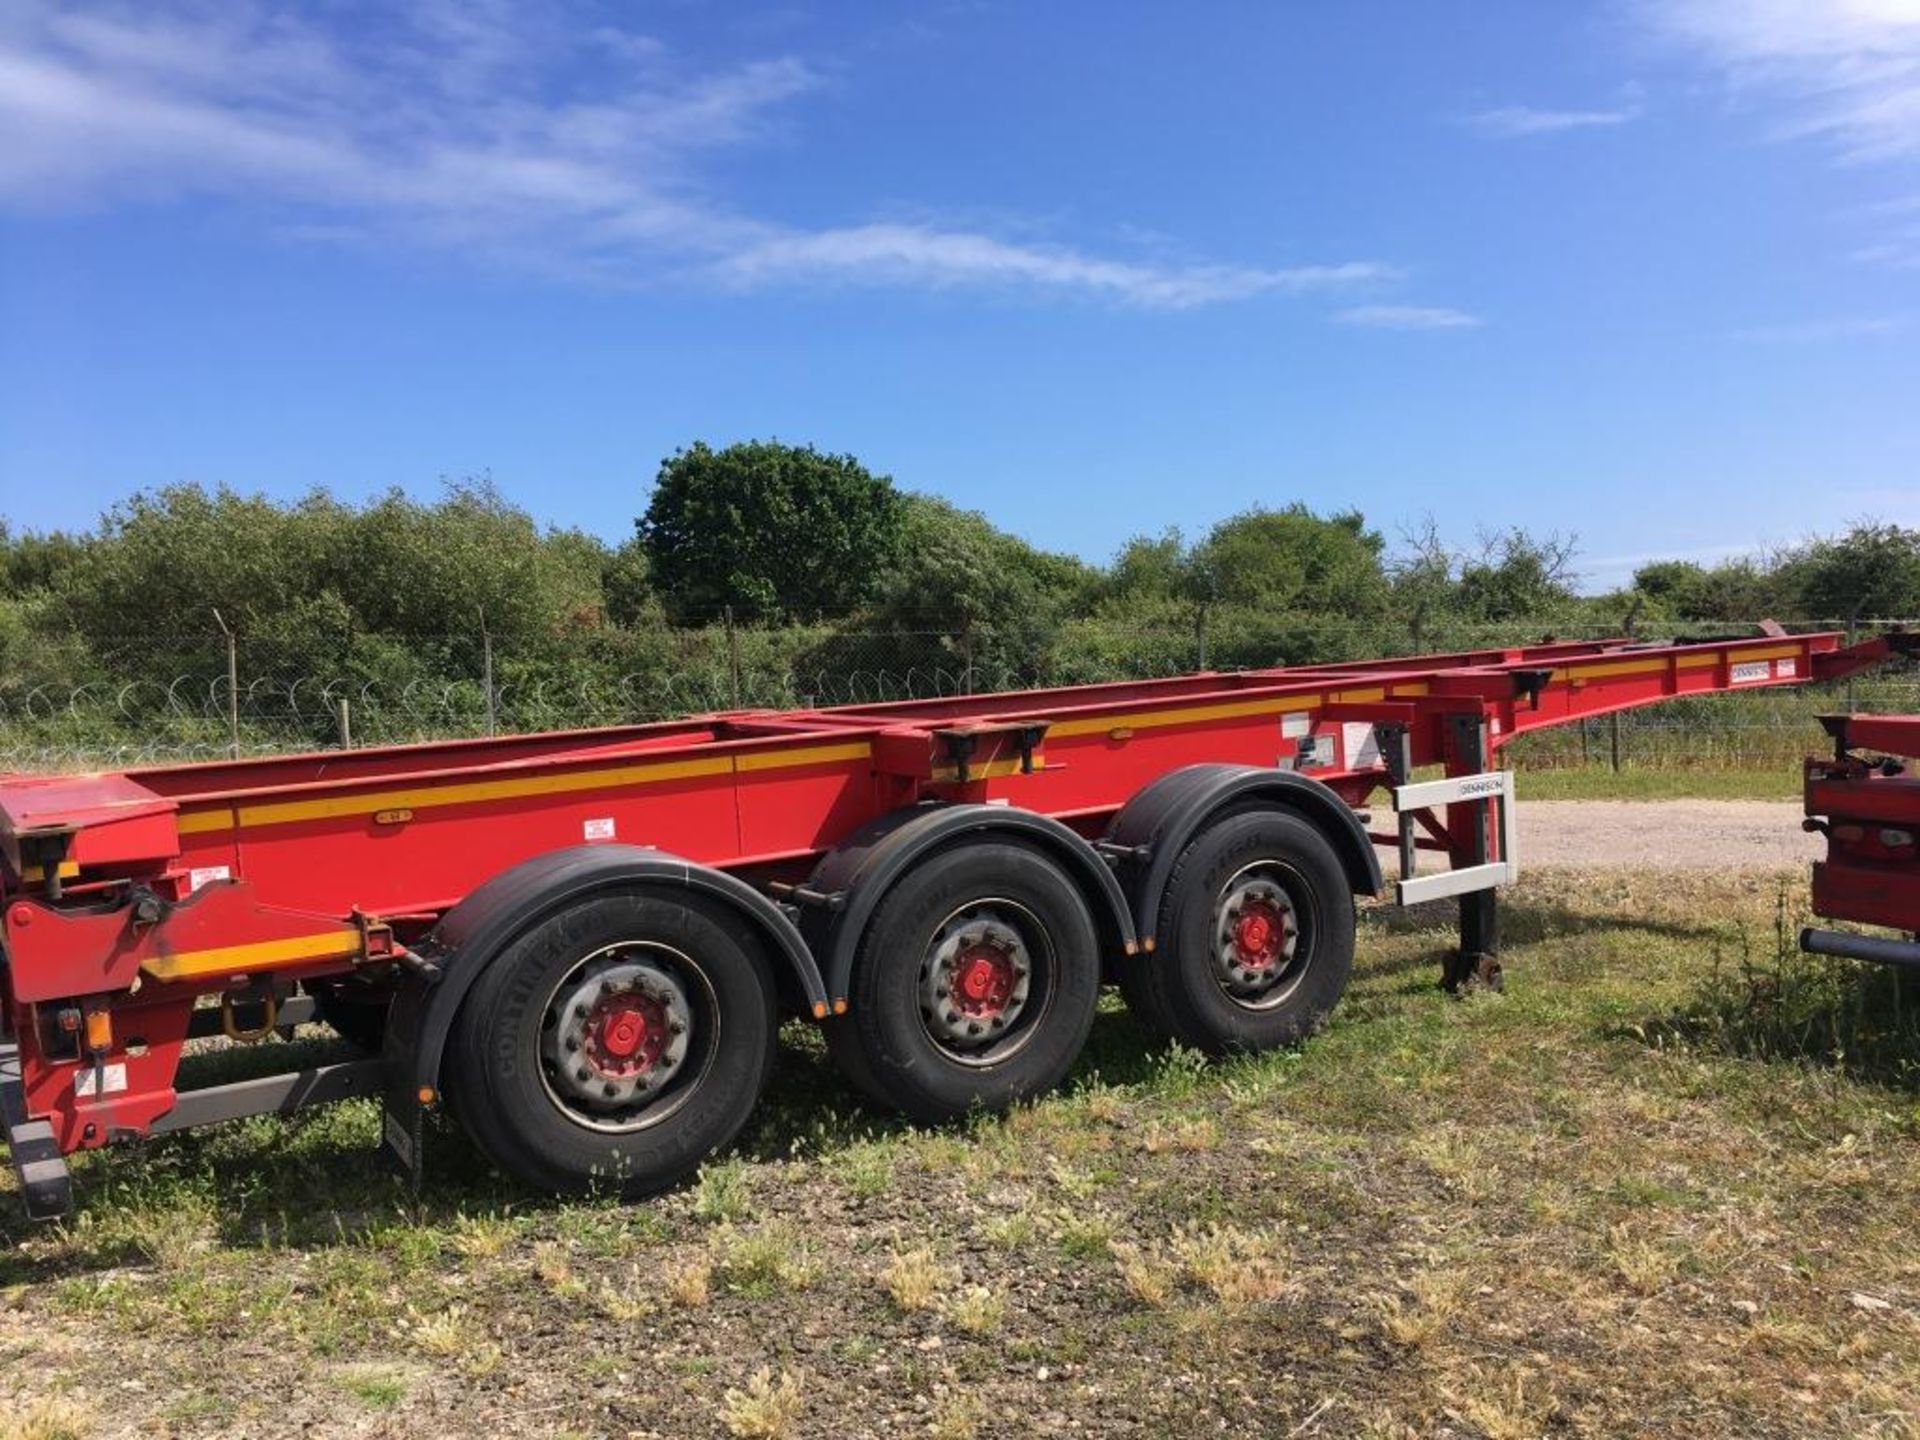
(165, 699)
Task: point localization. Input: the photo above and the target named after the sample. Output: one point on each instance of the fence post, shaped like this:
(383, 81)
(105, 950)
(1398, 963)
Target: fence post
(1853, 634)
(346, 723)
(1200, 635)
(1614, 720)
(486, 673)
(233, 687)
(966, 652)
(733, 656)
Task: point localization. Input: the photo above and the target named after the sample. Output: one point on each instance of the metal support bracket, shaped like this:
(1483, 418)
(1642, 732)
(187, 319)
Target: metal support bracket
(1493, 785)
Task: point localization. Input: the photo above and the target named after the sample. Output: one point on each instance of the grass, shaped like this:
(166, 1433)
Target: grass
(768, 1408)
(1667, 1183)
(1648, 782)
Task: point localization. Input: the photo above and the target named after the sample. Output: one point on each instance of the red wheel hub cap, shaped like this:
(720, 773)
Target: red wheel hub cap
(983, 980)
(1259, 935)
(626, 1033)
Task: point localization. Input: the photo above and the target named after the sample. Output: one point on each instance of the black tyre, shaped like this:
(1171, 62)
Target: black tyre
(1255, 937)
(615, 1045)
(974, 984)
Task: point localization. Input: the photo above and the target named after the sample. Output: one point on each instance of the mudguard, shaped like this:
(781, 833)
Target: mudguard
(474, 934)
(859, 872)
(1157, 824)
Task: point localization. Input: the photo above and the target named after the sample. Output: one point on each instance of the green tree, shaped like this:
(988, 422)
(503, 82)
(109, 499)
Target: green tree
(626, 586)
(774, 531)
(1517, 577)
(1293, 560)
(1872, 571)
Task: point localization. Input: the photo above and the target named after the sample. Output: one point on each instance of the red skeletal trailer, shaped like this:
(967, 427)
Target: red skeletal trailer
(584, 941)
(1866, 801)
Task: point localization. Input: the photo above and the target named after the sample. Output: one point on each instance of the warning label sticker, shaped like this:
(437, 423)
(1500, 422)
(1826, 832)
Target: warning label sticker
(1362, 746)
(601, 829)
(103, 1080)
(1752, 670)
(1316, 753)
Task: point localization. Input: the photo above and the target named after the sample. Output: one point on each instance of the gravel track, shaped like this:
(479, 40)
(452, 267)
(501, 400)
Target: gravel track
(1650, 835)
(1666, 834)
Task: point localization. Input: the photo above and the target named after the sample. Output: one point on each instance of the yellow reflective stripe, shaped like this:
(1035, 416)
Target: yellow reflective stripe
(1187, 715)
(284, 812)
(988, 771)
(198, 822)
(258, 955)
(814, 755)
(34, 874)
(1616, 667)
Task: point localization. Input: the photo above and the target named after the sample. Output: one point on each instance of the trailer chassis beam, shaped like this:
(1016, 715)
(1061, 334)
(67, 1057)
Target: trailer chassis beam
(280, 1094)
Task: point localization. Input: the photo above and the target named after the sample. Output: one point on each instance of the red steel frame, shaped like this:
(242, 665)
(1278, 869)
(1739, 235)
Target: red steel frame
(1866, 801)
(299, 867)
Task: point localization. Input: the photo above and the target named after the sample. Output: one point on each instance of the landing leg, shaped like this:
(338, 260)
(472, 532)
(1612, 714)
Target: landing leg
(1477, 961)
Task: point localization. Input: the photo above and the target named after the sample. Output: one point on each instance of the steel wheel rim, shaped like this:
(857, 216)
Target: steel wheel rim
(986, 981)
(1260, 939)
(588, 1021)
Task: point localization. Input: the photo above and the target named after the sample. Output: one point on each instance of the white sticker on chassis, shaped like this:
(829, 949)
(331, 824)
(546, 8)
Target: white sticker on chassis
(601, 829)
(1752, 670)
(110, 1079)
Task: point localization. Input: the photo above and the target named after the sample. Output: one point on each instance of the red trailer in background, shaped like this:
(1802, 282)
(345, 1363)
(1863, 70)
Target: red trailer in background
(1866, 801)
(583, 942)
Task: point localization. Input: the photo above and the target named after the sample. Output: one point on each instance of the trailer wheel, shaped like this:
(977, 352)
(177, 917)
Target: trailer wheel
(1256, 937)
(974, 984)
(615, 1045)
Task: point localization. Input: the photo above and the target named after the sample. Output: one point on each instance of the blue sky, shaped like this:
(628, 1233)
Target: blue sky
(1646, 270)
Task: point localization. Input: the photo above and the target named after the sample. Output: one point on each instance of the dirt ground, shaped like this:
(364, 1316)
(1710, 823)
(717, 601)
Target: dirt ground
(1663, 835)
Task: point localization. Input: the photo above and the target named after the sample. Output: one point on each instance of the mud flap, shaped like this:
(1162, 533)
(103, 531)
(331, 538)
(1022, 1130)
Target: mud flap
(403, 1118)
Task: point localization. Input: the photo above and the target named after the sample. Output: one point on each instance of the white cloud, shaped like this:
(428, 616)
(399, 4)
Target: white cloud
(1900, 253)
(1850, 69)
(1408, 317)
(491, 128)
(915, 254)
(1510, 122)
(1818, 332)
